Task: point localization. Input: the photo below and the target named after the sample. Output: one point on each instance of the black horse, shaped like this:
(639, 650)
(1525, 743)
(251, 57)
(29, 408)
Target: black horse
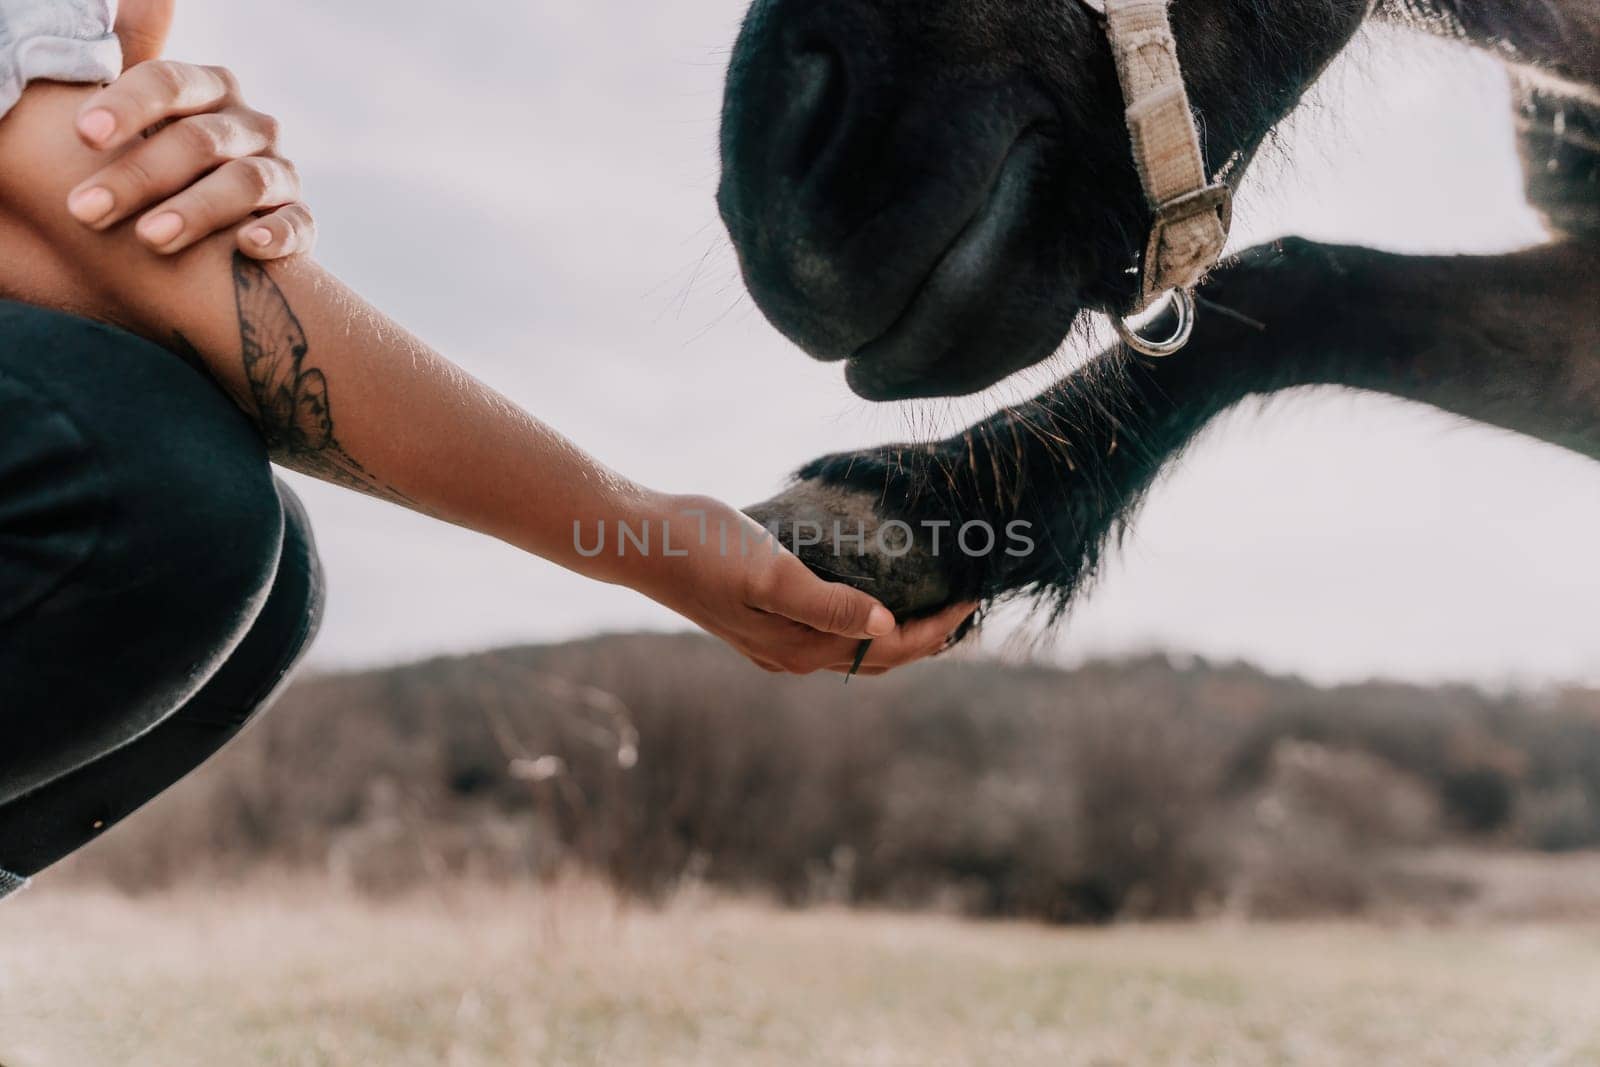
(935, 190)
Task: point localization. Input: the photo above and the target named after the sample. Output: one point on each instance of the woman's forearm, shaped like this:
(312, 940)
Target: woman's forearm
(342, 393)
(337, 389)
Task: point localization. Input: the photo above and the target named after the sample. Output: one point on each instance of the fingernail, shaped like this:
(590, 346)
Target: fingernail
(162, 228)
(90, 205)
(880, 622)
(97, 125)
(259, 236)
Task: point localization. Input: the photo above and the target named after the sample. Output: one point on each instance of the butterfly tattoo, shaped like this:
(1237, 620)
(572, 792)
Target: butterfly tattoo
(291, 399)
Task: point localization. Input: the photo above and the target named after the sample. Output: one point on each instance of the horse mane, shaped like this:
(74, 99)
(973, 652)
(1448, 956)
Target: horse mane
(1538, 33)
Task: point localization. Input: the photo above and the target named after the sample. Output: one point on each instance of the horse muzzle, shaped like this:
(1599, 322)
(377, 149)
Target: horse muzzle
(886, 211)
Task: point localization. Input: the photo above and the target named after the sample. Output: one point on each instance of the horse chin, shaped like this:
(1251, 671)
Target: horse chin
(957, 369)
(947, 341)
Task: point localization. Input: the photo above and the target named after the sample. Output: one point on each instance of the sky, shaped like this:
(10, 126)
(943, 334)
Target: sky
(529, 187)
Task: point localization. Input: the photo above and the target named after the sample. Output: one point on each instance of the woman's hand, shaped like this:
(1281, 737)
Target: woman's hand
(190, 159)
(734, 580)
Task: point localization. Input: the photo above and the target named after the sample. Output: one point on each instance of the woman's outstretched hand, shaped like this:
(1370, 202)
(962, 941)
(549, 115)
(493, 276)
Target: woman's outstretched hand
(735, 581)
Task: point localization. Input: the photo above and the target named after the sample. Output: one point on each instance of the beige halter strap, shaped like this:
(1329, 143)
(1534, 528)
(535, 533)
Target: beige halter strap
(1192, 213)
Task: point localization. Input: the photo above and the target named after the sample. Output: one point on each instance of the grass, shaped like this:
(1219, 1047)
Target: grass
(297, 974)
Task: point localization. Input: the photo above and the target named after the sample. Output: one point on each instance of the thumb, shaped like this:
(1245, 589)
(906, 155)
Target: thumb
(142, 26)
(829, 607)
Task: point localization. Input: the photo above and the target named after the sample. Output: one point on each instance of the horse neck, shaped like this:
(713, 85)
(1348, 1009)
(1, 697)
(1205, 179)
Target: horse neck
(1504, 340)
(1558, 35)
(1507, 340)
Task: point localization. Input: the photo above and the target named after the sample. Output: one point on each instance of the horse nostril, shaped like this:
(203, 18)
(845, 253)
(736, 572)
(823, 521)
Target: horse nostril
(817, 111)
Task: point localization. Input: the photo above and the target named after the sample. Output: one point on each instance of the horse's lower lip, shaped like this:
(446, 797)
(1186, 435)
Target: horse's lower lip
(898, 363)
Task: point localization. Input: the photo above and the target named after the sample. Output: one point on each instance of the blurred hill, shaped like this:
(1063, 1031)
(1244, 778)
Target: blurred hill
(1132, 789)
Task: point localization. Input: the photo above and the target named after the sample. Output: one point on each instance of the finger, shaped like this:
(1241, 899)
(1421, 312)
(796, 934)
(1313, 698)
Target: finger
(236, 190)
(912, 642)
(142, 27)
(801, 650)
(289, 231)
(794, 648)
(938, 629)
(919, 639)
(804, 651)
(827, 607)
(864, 672)
(150, 93)
(168, 162)
(934, 634)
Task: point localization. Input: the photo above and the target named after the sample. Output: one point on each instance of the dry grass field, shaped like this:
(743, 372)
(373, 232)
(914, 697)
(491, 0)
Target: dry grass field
(296, 974)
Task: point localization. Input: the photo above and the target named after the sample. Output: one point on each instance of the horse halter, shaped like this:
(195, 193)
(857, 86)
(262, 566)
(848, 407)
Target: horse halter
(1192, 212)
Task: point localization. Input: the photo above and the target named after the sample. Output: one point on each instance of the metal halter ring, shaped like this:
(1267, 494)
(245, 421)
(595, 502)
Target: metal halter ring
(1183, 302)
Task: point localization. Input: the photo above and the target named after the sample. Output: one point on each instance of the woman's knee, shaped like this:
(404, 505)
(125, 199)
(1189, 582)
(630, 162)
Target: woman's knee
(282, 633)
(139, 503)
(76, 808)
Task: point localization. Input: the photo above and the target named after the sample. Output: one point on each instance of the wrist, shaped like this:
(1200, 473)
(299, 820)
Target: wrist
(643, 540)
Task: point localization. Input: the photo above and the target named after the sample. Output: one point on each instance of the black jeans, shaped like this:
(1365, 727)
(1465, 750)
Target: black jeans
(157, 584)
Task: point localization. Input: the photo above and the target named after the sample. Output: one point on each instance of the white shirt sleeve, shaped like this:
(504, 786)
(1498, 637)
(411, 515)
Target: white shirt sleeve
(56, 40)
